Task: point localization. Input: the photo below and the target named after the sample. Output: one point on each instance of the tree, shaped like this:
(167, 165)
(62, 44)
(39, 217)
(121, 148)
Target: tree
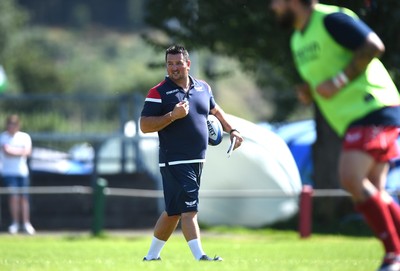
(12, 19)
(23, 54)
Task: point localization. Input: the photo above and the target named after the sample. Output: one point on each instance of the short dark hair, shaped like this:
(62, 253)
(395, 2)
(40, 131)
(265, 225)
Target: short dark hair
(177, 49)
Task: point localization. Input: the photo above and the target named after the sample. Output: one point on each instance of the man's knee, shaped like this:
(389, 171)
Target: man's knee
(189, 215)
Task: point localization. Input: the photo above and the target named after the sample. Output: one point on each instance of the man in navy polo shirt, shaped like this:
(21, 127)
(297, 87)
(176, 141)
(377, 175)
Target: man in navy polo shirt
(177, 108)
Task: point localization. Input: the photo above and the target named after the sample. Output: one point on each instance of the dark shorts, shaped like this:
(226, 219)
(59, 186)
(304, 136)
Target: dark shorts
(13, 182)
(181, 187)
(379, 142)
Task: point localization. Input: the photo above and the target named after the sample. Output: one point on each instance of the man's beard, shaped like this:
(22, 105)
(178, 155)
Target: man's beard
(286, 20)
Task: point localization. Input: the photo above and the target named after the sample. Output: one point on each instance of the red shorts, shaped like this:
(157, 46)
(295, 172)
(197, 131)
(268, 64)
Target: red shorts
(378, 141)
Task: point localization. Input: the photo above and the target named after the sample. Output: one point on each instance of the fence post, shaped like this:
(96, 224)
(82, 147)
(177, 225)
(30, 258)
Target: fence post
(137, 100)
(305, 217)
(99, 198)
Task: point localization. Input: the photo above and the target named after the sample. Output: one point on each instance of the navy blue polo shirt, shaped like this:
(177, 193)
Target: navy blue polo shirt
(185, 140)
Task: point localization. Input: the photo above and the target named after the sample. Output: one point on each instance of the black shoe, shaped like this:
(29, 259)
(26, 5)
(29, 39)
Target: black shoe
(206, 258)
(154, 259)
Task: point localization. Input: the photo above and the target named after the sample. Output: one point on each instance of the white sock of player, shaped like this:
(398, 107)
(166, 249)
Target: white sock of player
(195, 247)
(155, 248)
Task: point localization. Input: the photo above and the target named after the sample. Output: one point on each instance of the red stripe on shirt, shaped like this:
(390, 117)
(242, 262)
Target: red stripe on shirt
(153, 92)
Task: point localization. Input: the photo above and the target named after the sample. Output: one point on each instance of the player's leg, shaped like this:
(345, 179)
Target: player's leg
(14, 207)
(190, 201)
(166, 224)
(190, 183)
(25, 207)
(355, 167)
(13, 203)
(25, 210)
(394, 209)
(191, 232)
(378, 175)
(190, 226)
(163, 229)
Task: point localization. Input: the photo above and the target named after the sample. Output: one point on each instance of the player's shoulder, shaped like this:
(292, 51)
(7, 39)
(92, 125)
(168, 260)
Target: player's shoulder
(335, 16)
(199, 81)
(159, 86)
(24, 135)
(163, 87)
(338, 16)
(155, 91)
(332, 9)
(201, 84)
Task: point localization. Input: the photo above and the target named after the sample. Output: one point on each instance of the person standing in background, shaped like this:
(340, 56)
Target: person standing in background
(16, 146)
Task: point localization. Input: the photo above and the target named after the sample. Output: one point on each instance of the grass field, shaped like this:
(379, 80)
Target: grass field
(241, 249)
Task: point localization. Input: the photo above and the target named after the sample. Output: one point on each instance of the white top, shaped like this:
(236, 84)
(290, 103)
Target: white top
(15, 165)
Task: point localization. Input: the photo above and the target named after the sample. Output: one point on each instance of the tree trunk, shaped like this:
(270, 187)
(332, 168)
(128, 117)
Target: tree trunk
(329, 212)
(326, 150)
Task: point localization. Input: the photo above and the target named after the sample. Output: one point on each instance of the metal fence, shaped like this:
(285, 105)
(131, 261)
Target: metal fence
(60, 122)
(100, 191)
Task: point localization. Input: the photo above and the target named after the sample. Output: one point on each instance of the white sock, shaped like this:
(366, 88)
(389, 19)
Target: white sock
(195, 247)
(155, 248)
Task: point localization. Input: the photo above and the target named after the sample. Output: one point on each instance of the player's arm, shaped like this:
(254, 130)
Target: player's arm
(356, 36)
(149, 124)
(153, 118)
(17, 151)
(219, 113)
(372, 47)
(155, 123)
(303, 92)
